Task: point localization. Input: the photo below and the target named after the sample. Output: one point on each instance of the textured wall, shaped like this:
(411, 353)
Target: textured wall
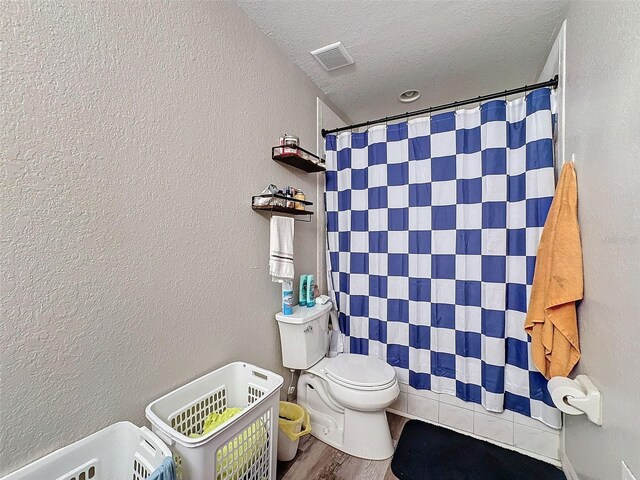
(133, 135)
(602, 125)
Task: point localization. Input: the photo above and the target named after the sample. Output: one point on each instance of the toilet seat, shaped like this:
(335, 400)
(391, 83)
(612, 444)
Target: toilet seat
(359, 372)
(356, 372)
(358, 382)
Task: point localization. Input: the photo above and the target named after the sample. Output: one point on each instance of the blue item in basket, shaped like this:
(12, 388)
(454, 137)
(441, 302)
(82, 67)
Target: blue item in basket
(166, 471)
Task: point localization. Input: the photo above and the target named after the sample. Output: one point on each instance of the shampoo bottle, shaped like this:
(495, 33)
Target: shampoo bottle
(303, 290)
(287, 297)
(311, 301)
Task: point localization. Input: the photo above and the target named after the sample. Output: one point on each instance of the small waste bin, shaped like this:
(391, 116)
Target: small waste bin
(294, 422)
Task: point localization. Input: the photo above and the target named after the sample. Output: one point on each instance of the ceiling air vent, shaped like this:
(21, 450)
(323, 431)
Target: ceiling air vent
(333, 56)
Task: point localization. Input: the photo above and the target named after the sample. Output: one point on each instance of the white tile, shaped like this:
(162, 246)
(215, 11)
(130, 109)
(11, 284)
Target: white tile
(493, 427)
(400, 404)
(456, 417)
(455, 401)
(403, 387)
(424, 393)
(506, 415)
(536, 441)
(423, 407)
(533, 423)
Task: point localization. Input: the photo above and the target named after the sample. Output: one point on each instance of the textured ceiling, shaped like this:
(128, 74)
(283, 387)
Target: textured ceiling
(449, 50)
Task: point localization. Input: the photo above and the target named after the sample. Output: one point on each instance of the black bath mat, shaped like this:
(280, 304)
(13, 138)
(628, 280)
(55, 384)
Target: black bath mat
(427, 452)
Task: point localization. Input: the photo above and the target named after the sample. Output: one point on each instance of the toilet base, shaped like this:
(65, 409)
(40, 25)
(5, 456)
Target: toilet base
(360, 434)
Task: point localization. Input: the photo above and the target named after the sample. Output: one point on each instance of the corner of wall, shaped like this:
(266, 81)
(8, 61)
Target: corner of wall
(567, 468)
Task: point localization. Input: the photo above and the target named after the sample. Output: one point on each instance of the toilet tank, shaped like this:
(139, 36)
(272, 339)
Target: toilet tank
(304, 336)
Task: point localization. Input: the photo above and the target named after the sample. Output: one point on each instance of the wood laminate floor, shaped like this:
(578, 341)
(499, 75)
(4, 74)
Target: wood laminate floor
(318, 461)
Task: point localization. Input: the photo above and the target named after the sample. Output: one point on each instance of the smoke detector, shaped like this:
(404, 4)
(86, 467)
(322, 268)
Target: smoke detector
(409, 96)
(333, 56)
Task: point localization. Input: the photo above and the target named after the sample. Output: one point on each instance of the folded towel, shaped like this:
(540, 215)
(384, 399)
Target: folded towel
(281, 249)
(166, 471)
(557, 284)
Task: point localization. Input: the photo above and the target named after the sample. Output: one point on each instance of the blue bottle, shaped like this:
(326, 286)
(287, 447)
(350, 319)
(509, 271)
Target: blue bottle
(287, 298)
(303, 291)
(311, 300)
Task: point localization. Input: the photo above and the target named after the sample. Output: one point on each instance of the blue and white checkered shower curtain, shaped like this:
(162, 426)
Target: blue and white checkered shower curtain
(433, 227)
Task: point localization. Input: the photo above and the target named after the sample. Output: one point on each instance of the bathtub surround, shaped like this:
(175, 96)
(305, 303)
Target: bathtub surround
(128, 247)
(602, 125)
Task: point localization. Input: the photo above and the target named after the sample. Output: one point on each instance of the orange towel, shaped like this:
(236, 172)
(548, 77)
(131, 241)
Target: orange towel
(557, 284)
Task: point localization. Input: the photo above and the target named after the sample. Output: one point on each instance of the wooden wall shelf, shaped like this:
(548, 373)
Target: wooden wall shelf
(299, 158)
(271, 208)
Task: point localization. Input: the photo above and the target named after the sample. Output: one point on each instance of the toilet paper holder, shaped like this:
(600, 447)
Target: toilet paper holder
(575, 397)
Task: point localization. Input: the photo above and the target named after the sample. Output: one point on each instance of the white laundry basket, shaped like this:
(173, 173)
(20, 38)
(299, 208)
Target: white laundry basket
(120, 451)
(244, 447)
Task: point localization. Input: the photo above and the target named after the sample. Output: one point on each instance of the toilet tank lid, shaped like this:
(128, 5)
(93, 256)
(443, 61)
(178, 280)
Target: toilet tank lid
(303, 315)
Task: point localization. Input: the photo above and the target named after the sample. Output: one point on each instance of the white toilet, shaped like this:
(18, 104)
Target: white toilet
(346, 395)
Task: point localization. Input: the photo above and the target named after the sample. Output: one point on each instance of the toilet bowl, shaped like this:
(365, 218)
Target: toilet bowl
(345, 395)
(346, 408)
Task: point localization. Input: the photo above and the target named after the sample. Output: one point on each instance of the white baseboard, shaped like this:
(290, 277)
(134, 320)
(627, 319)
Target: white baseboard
(567, 468)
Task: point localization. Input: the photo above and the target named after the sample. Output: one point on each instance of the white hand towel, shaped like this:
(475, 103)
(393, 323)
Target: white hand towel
(281, 249)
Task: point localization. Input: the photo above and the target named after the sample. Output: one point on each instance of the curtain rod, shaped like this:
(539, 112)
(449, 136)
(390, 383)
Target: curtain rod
(553, 83)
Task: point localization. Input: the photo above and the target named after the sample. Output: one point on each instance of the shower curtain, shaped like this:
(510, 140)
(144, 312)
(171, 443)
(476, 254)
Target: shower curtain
(433, 226)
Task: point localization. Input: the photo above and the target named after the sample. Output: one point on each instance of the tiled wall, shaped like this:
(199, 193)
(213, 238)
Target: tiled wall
(508, 428)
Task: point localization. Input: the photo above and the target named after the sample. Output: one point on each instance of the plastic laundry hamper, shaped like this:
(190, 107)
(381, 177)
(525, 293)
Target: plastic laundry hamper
(242, 448)
(121, 451)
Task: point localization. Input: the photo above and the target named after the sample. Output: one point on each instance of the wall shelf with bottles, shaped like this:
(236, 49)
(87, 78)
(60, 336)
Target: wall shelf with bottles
(277, 203)
(298, 157)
